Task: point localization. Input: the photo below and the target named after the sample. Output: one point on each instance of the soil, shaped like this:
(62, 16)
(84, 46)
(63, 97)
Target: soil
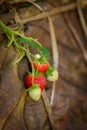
(69, 109)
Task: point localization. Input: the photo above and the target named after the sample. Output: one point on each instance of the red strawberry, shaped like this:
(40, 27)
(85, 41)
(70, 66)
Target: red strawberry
(40, 80)
(41, 67)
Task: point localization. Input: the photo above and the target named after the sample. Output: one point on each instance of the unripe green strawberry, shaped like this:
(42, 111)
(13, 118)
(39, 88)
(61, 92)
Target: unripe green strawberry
(52, 74)
(35, 92)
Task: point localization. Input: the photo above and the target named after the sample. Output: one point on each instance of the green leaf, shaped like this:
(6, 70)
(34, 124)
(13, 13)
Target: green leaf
(44, 51)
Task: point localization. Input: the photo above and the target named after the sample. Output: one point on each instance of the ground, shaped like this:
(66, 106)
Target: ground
(69, 108)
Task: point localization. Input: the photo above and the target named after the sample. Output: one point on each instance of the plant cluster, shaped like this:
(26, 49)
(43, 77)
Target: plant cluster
(35, 81)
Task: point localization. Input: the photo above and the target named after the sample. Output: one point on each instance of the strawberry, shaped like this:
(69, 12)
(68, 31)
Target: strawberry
(40, 63)
(52, 74)
(41, 67)
(40, 80)
(35, 92)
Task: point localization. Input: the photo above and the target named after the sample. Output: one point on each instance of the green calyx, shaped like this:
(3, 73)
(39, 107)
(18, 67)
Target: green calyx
(33, 87)
(35, 73)
(52, 74)
(50, 71)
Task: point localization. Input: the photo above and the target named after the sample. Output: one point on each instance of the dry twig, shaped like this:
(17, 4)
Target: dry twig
(42, 15)
(48, 109)
(36, 5)
(55, 55)
(54, 11)
(73, 30)
(82, 20)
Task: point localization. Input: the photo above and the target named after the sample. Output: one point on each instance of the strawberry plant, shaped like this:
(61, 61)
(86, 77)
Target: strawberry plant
(41, 69)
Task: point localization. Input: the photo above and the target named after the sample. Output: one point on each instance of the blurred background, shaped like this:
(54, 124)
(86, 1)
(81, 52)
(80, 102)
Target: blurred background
(61, 26)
